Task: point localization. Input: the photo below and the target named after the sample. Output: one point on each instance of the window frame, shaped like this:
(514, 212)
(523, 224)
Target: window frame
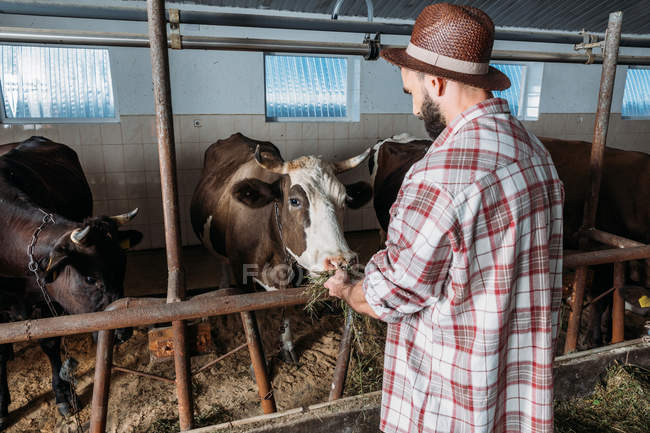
(628, 117)
(530, 68)
(353, 90)
(64, 120)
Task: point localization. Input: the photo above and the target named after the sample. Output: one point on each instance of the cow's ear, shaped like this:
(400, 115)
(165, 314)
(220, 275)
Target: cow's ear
(58, 254)
(129, 238)
(357, 194)
(255, 193)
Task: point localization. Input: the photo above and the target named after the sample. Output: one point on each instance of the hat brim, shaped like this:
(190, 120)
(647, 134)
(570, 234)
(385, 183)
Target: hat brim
(493, 80)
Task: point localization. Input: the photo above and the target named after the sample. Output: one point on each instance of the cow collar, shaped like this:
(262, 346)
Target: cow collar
(288, 258)
(33, 264)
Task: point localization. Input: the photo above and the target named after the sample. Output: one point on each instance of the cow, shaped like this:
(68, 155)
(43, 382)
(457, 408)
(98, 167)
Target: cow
(623, 206)
(272, 218)
(80, 259)
(389, 161)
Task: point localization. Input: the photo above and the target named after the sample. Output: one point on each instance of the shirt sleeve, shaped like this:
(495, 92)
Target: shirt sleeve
(410, 272)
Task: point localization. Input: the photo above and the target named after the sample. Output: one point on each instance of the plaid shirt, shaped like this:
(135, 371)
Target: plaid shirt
(470, 282)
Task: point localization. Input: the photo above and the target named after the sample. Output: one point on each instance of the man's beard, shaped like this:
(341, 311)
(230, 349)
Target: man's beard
(434, 122)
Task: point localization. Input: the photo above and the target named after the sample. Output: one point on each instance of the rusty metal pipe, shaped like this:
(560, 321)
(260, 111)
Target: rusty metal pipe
(214, 361)
(183, 375)
(29, 330)
(607, 79)
(342, 360)
(573, 325)
(103, 363)
(168, 182)
(256, 351)
(142, 373)
(599, 297)
(102, 383)
(618, 304)
(612, 239)
(601, 257)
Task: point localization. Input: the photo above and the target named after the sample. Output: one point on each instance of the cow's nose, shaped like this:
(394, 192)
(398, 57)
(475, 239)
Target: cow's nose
(338, 262)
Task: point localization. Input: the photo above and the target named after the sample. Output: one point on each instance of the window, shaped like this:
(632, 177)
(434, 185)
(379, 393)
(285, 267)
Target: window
(636, 97)
(524, 92)
(309, 88)
(512, 94)
(55, 84)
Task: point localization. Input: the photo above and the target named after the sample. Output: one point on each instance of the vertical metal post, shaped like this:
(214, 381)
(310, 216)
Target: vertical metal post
(608, 75)
(259, 363)
(342, 360)
(102, 384)
(618, 304)
(167, 158)
(607, 78)
(573, 325)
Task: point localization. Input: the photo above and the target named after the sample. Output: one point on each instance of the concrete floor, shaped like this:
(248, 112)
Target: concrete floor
(146, 271)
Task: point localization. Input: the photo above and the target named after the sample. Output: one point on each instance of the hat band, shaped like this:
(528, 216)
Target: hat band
(446, 62)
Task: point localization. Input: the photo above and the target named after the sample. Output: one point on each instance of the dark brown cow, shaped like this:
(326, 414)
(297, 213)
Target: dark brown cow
(80, 258)
(389, 161)
(624, 203)
(264, 213)
(623, 207)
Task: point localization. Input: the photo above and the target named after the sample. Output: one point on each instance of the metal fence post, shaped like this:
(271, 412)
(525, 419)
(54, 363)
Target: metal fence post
(167, 158)
(610, 55)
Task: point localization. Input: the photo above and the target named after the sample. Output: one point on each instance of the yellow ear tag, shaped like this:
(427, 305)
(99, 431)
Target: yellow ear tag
(644, 301)
(125, 244)
(49, 264)
(54, 275)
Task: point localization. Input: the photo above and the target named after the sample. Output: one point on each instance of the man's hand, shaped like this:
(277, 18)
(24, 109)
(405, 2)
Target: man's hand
(339, 284)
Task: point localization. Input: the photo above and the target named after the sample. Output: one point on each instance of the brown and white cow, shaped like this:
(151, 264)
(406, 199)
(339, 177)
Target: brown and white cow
(265, 214)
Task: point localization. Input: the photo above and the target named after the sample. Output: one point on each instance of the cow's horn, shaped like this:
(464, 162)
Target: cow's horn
(351, 163)
(125, 217)
(274, 166)
(78, 235)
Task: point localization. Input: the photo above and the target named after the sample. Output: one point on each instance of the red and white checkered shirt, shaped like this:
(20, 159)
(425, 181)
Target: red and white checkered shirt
(470, 282)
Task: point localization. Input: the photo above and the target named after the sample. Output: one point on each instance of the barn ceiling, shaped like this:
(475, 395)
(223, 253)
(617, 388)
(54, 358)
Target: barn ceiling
(541, 14)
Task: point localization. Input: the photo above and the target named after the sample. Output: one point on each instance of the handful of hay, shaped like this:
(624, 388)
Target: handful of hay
(319, 295)
(368, 336)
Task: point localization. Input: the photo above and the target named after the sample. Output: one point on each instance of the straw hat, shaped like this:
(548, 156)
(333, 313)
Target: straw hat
(453, 42)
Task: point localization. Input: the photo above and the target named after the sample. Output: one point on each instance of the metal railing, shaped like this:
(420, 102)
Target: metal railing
(138, 312)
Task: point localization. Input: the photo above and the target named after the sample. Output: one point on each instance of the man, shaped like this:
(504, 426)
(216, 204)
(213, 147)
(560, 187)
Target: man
(470, 280)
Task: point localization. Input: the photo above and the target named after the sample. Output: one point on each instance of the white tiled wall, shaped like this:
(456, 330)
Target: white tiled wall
(121, 159)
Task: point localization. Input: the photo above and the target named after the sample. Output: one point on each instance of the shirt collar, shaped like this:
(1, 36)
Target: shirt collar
(488, 106)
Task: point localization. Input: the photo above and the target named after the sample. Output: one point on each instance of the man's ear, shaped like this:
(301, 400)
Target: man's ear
(441, 86)
(357, 194)
(255, 193)
(129, 238)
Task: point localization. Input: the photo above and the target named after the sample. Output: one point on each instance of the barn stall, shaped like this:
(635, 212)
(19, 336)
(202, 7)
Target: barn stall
(222, 84)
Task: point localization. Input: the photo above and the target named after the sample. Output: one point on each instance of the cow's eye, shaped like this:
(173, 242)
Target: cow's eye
(294, 202)
(91, 280)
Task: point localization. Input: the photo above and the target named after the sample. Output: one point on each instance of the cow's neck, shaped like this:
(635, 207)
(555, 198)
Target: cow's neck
(23, 223)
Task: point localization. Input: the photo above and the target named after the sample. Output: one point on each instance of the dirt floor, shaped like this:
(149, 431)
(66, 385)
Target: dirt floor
(222, 393)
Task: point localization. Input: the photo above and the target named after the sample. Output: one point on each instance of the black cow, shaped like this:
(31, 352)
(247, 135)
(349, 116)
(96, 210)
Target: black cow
(80, 259)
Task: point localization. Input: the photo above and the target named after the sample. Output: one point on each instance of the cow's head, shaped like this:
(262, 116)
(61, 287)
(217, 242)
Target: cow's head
(85, 268)
(310, 201)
